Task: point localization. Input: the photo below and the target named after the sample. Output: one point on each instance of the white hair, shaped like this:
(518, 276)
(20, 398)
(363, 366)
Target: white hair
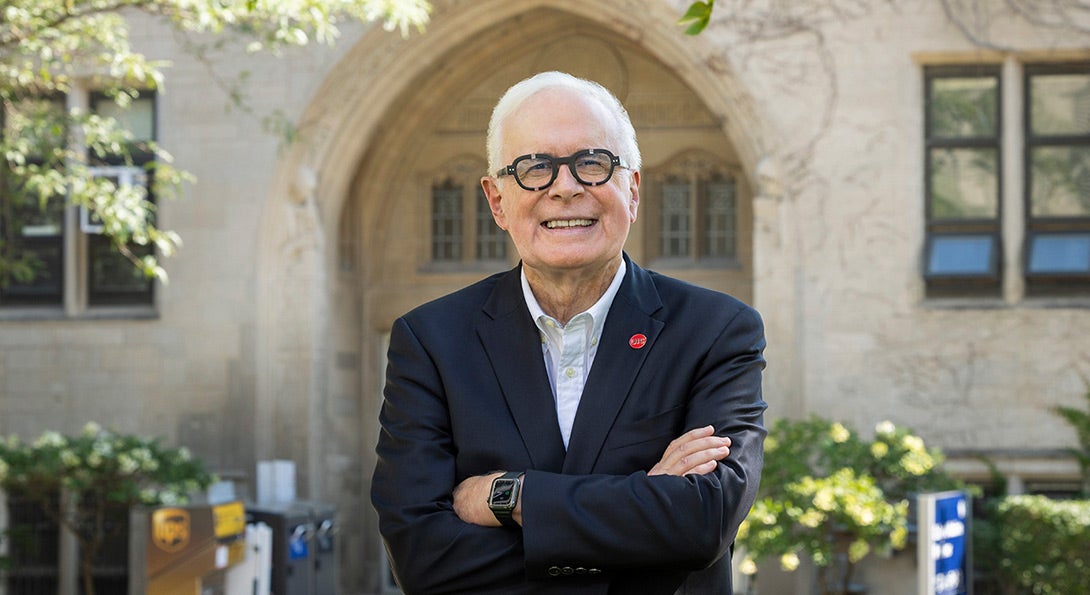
(622, 132)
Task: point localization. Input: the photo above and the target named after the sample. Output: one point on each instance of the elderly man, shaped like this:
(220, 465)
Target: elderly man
(577, 424)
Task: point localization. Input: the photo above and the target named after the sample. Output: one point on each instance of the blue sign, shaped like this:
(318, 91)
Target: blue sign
(298, 548)
(945, 560)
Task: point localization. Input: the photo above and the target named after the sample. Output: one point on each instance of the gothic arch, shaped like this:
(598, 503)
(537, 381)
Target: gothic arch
(351, 125)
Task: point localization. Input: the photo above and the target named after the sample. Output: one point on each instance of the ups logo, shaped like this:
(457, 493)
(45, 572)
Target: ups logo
(170, 529)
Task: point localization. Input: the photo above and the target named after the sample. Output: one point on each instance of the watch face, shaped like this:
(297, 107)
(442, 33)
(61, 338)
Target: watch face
(502, 490)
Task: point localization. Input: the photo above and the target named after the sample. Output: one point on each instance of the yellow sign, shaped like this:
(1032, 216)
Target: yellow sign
(229, 520)
(170, 529)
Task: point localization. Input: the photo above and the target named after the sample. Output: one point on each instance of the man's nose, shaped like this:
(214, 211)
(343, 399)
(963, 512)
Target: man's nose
(565, 185)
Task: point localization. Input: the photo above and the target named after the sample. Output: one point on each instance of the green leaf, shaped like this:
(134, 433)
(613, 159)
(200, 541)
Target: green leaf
(697, 16)
(698, 10)
(696, 27)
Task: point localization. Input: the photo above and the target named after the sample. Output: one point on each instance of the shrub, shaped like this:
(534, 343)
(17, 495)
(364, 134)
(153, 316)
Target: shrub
(829, 494)
(99, 473)
(1043, 544)
(1079, 421)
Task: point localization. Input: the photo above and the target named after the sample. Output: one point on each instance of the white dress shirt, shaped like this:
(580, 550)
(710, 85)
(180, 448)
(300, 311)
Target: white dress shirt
(569, 349)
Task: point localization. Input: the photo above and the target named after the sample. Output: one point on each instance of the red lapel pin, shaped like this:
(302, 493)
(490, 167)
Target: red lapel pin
(637, 341)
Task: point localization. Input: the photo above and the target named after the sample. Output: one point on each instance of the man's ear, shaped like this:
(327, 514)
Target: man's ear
(634, 191)
(492, 193)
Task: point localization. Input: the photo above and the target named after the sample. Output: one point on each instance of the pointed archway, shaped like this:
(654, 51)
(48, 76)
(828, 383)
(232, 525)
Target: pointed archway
(345, 231)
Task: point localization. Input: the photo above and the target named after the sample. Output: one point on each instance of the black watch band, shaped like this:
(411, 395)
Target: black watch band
(504, 496)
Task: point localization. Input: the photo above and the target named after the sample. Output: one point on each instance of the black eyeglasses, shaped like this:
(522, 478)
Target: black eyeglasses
(537, 171)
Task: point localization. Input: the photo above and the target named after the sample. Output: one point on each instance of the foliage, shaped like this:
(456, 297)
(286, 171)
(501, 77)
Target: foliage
(1040, 545)
(1080, 421)
(1031, 544)
(829, 494)
(98, 472)
(697, 16)
(49, 46)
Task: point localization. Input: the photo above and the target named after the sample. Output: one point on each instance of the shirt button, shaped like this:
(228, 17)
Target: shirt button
(550, 324)
(570, 372)
(594, 341)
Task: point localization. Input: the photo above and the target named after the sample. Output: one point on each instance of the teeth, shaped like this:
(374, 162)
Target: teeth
(569, 223)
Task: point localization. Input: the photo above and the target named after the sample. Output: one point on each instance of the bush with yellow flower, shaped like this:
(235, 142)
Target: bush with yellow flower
(831, 495)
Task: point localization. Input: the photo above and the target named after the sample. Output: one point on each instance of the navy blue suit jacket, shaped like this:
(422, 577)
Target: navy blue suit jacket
(467, 393)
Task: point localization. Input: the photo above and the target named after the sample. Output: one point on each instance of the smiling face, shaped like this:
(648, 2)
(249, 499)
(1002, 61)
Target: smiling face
(567, 230)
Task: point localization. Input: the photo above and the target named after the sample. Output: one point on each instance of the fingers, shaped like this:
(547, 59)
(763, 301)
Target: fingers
(696, 451)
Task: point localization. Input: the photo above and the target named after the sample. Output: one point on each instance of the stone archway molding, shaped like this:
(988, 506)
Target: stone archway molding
(309, 187)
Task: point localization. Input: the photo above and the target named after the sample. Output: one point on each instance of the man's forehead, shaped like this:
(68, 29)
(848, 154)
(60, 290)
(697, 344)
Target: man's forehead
(562, 99)
(558, 115)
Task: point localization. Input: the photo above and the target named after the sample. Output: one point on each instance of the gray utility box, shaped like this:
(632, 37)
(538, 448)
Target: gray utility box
(304, 560)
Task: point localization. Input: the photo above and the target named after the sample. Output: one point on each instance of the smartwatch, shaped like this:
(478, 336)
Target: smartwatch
(504, 496)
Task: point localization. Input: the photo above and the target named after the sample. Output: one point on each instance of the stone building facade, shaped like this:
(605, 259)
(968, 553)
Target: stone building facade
(802, 169)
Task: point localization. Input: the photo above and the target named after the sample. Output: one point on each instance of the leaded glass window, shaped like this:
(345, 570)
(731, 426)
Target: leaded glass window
(463, 231)
(694, 202)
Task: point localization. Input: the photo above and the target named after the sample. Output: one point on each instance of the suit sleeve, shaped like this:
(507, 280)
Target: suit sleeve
(638, 520)
(430, 548)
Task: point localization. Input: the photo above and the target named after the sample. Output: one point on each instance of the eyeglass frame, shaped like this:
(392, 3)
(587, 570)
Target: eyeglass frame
(614, 163)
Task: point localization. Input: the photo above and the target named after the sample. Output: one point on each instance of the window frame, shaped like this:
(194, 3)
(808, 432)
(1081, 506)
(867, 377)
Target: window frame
(447, 242)
(98, 245)
(990, 283)
(78, 297)
(1052, 282)
(464, 173)
(699, 170)
(18, 296)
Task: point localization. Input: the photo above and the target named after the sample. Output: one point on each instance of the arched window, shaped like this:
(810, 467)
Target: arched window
(462, 228)
(692, 203)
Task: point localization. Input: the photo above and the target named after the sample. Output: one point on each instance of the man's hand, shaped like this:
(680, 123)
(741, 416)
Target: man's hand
(471, 501)
(696, 451)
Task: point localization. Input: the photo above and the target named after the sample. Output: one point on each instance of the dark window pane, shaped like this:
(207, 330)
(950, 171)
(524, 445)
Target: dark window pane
(138, 117)
(41, 262)
(1060, 104)
(1060, 253)
(719, 220)
(113, 278)
(32, 238)
(446, 217)
(676, 233)
(1060, 181)
(32, 538)
(33, 220)
(964, 184)
(491, 240)
(964, 107)
(962, 255)
(39, 122)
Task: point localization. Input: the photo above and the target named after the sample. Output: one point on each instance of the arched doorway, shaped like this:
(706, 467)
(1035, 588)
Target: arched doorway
(388, 179)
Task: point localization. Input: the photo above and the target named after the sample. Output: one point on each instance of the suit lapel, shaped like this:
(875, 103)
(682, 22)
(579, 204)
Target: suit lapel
(513, 344)
(615, 367)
